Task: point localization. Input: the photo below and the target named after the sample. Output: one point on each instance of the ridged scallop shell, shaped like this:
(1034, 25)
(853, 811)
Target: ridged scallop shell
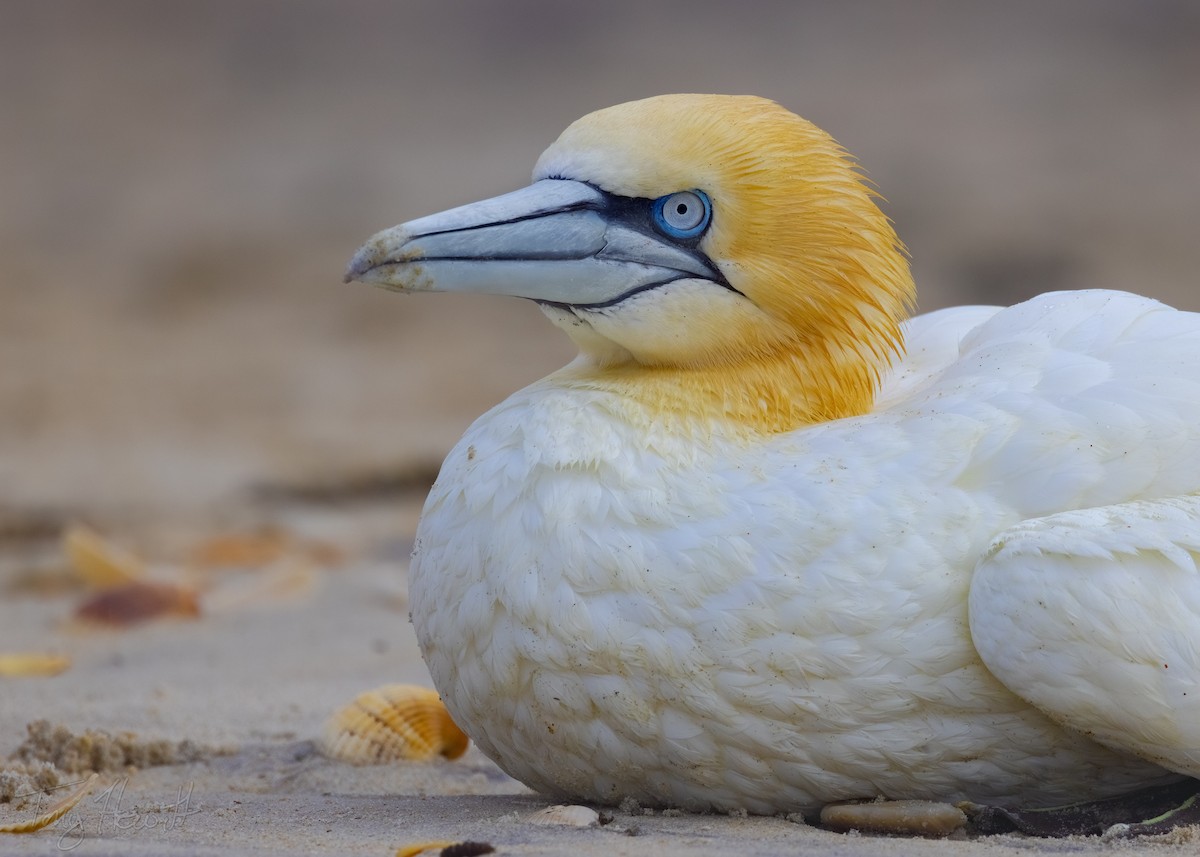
(393, 723)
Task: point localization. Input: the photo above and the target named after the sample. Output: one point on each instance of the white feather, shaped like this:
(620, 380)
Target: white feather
(772, 625)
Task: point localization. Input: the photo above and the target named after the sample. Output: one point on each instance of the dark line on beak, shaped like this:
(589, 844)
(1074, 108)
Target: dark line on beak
(637, 291)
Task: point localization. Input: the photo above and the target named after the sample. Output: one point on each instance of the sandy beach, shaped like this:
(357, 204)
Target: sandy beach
(249, 684)
(182, 371)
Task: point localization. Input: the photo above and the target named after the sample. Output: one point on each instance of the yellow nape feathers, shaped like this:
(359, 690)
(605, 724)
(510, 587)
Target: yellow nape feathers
(795, 229)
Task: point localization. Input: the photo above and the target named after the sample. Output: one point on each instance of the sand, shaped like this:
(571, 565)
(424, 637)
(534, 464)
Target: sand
(234, 700)
(179, 361)
(248, 685)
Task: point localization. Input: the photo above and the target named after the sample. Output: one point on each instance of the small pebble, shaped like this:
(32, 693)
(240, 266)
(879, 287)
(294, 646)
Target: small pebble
(572, 815)
(908, 817)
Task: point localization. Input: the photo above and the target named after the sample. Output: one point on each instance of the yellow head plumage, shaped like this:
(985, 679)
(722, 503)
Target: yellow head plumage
(794, 228)
(784, 311)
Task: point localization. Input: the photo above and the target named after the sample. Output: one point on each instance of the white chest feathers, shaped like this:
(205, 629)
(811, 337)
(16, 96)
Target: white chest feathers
(725, 623)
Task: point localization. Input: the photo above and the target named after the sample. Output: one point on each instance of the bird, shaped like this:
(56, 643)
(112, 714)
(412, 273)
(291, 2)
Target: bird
(769, 541)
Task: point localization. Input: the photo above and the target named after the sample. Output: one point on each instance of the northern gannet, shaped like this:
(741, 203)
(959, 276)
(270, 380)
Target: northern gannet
(766, 544)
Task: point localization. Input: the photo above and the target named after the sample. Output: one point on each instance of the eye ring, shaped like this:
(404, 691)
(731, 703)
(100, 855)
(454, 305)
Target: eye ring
(683, 214)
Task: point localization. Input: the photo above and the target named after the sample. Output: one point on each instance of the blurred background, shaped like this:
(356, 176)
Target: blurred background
(181, 185)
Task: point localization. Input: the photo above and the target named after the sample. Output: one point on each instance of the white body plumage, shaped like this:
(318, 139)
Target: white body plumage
(611, 606)
(764, 545)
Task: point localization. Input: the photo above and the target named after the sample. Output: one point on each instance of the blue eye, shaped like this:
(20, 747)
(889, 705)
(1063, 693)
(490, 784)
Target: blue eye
(684, 214)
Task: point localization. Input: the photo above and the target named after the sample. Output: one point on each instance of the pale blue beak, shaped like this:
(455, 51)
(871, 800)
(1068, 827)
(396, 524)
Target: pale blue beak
(556, 241)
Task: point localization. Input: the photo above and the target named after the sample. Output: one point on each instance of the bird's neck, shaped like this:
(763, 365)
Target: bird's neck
(766, 395)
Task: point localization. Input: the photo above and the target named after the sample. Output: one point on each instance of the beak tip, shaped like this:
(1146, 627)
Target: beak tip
(364, 260)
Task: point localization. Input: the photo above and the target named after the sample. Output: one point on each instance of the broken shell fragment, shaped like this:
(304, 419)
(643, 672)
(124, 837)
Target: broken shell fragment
(54, 813)
(907, 817)
(99, 562)
(393, 723)
(25, 664)
(568, 815)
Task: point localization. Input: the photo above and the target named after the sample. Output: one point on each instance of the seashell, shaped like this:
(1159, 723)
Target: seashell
(393, 723)
(910, 817)
(23, 664)
(54, 813)
(568, 815)
(99, 562)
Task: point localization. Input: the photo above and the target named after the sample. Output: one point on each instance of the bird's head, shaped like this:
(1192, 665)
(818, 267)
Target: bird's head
(716, 256)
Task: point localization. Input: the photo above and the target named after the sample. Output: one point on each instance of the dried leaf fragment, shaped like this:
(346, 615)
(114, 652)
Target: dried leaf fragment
(100, 562)
(468, 849)
(55, 812)
(22, 664)
(446, 848)
(139, 601)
